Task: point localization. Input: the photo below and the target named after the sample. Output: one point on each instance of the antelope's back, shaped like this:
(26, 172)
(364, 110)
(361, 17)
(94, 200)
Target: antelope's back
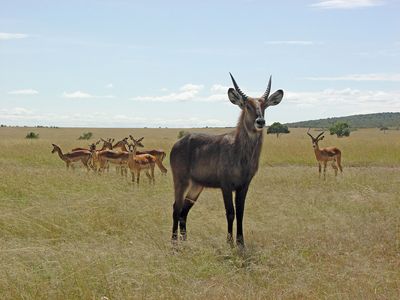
(198, 157)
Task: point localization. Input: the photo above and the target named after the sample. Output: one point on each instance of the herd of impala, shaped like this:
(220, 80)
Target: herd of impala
(123, 154)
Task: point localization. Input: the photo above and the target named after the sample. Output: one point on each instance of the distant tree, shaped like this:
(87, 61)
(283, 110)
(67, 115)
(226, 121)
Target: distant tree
(341, 129)
(182, 133)
(32, 135)
(85, 136)
(277, 128)
(383, 128)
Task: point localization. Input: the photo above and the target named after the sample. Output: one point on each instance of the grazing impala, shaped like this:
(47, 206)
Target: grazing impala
(72, 157)
(227, 161)
(137, 163)
(323, 155)
(79, 148)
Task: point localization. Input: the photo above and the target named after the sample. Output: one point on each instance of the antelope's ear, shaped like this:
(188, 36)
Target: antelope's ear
(141, 139)
(53, 145)
(140, 144)
(274, 99)
(235, 98)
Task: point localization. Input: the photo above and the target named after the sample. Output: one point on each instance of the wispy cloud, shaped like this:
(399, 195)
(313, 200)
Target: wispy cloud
(12, 36)
(293, 42)
(83, 95)
(22, 116)
(348, 100)
(24, 92)
(346, 4)
(360, 77)
(187, 92)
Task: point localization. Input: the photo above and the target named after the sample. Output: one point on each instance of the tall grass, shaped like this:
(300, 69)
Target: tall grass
(77, 235)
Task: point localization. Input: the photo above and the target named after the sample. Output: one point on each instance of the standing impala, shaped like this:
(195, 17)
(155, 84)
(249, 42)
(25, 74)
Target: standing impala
(227, 161)
(69, 158)
(323, 155)
(137, 163)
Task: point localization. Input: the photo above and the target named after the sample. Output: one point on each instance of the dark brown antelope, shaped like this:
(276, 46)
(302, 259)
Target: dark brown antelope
(137, 163)
(81, 155)
(323, 155)
(228, 161)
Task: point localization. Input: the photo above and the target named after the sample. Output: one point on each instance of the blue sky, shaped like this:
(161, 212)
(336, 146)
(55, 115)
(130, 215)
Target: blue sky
(166, 63)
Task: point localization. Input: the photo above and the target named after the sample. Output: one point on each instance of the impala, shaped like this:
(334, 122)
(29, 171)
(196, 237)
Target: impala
(158, 154)
(137, 163)
(72, 157)
(88, 149)
(323, 155)
(228, 161)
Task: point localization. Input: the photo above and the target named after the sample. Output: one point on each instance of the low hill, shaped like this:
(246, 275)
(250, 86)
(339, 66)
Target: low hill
(388, 119)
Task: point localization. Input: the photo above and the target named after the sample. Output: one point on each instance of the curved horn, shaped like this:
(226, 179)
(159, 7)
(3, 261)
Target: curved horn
(244, 96)
(320, 134)
(308, 132)
(268, 90)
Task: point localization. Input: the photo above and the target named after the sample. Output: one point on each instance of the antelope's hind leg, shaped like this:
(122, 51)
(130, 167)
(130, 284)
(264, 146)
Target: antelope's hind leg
(190, 199)
(149, 176)
(180, 187)
(335, 167)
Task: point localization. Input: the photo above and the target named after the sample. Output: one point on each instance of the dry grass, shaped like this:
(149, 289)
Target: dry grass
(66, 235)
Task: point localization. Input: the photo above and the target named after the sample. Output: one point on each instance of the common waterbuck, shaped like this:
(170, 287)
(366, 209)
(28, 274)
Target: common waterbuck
(228, 161)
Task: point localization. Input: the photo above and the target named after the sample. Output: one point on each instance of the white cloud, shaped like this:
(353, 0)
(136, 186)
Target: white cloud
(360, 77)
(21, 116)
(83, 95)
(300, 43)
(24, 92)
(188, 92)
(349, 100)
(219, 88)
(12, 36)
(346, 4)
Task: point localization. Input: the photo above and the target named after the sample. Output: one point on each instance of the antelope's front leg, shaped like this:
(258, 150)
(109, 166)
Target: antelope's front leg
(138, 176)
(240, 199)
(319, 169)
(230, 213)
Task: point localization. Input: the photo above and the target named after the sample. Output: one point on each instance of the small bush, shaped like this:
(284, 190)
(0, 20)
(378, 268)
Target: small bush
(32, 135)
(278, 128)
(341, 129)
(384, 128)
(86, 136)
(182, 133)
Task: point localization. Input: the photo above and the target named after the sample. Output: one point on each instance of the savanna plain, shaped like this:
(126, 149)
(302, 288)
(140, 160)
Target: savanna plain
(78, 235)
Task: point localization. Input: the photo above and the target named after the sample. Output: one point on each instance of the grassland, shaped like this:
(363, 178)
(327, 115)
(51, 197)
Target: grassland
(73, 235)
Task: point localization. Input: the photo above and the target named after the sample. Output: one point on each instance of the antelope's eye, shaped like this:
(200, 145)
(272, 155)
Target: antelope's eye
(249, 106)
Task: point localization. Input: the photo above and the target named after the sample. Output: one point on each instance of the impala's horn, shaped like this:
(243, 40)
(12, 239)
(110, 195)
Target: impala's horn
(237, 88)
(268, 90)
(320, 134)
(308, 132)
